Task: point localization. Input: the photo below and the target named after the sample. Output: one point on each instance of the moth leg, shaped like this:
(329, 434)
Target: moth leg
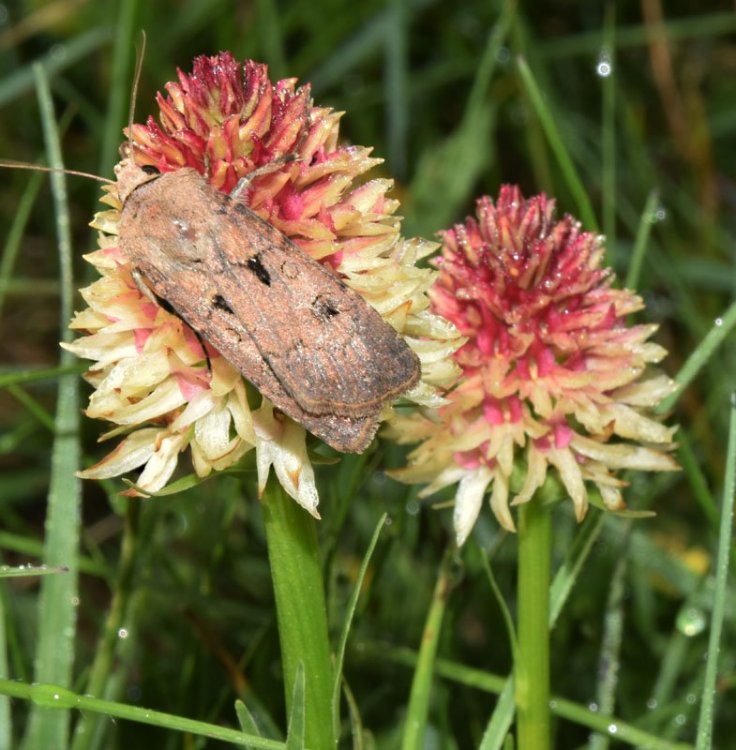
(147, 292)
(244, 181)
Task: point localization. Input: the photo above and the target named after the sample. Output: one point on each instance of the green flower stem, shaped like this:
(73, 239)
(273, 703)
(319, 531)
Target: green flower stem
(532, 665)
(300, 609)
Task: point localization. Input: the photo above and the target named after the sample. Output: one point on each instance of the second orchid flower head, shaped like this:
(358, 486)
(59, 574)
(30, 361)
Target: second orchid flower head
(553, 378)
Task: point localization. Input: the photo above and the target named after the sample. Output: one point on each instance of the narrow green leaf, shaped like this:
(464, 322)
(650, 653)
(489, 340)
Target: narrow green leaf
(19, 377)
(247, 721)
(15, 235)
(557, 144)
(568, 572)
(705, 722)
(54, 697)
(60, 57)
(446, 175)
(349, 614)
(57, 602)
(26, 571)
(6, 720)
(508, 620)
(699, 358)
(608, 76)
(498, 727)
(609, 660)
(642, 240)
(297, 717)
(397, 87)
(421, 686)
(575, 712)
(121, 83)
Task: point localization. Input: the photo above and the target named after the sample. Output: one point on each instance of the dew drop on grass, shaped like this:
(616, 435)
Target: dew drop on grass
(691, 621)
(604, 66)
(503, 56)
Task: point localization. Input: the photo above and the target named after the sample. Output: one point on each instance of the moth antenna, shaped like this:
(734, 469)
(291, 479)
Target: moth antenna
(273, 166)
(9, 164)
(134, 90)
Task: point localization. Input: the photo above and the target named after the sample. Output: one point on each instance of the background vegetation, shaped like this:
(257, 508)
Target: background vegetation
(443, 101)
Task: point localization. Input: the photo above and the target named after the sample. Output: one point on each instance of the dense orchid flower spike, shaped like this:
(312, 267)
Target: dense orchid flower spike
(551, 373)
(152, 381)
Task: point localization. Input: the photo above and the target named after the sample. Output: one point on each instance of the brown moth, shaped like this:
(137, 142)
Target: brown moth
(307, 341)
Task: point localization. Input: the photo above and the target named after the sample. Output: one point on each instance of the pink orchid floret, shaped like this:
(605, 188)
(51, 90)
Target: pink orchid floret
(151, 377)
(551, 372)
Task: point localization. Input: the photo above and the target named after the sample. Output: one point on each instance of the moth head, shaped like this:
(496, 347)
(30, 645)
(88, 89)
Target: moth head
(130, 176)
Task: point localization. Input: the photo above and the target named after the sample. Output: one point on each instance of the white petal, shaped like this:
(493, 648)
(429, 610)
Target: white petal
(131, 453)
(500, 502)
(282, 443)
(468, 500)
(161, 465)
(624, 456)
(572, 478)
(535, 475)
(629, 423)
(162, 400)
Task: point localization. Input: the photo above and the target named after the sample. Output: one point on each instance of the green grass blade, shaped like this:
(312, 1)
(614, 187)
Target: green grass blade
(23, 571)
(6, 722)
(447, 174)
(498, 727)
(421, 686)
(246, 720)
(33, 406)
(705, 722)
(575, 712)
(639, 35)
(57, 608)
(15, 235)
(641, 242)
(397, 87)
(59, 58)
(53, 698)
(700, 356)
(349, 614)
(609, 662)
(121, 83)
(271, 38)
(556, 143)
(19, 377)
(568, 572)
(607, 74)
(297, 716)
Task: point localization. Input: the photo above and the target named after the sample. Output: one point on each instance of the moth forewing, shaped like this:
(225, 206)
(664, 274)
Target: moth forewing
(312, 345)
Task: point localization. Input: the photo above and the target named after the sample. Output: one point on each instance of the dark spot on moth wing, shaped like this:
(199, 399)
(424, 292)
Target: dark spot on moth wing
(324, 308)
(150, 169)
(220, 303)
(260, 271)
